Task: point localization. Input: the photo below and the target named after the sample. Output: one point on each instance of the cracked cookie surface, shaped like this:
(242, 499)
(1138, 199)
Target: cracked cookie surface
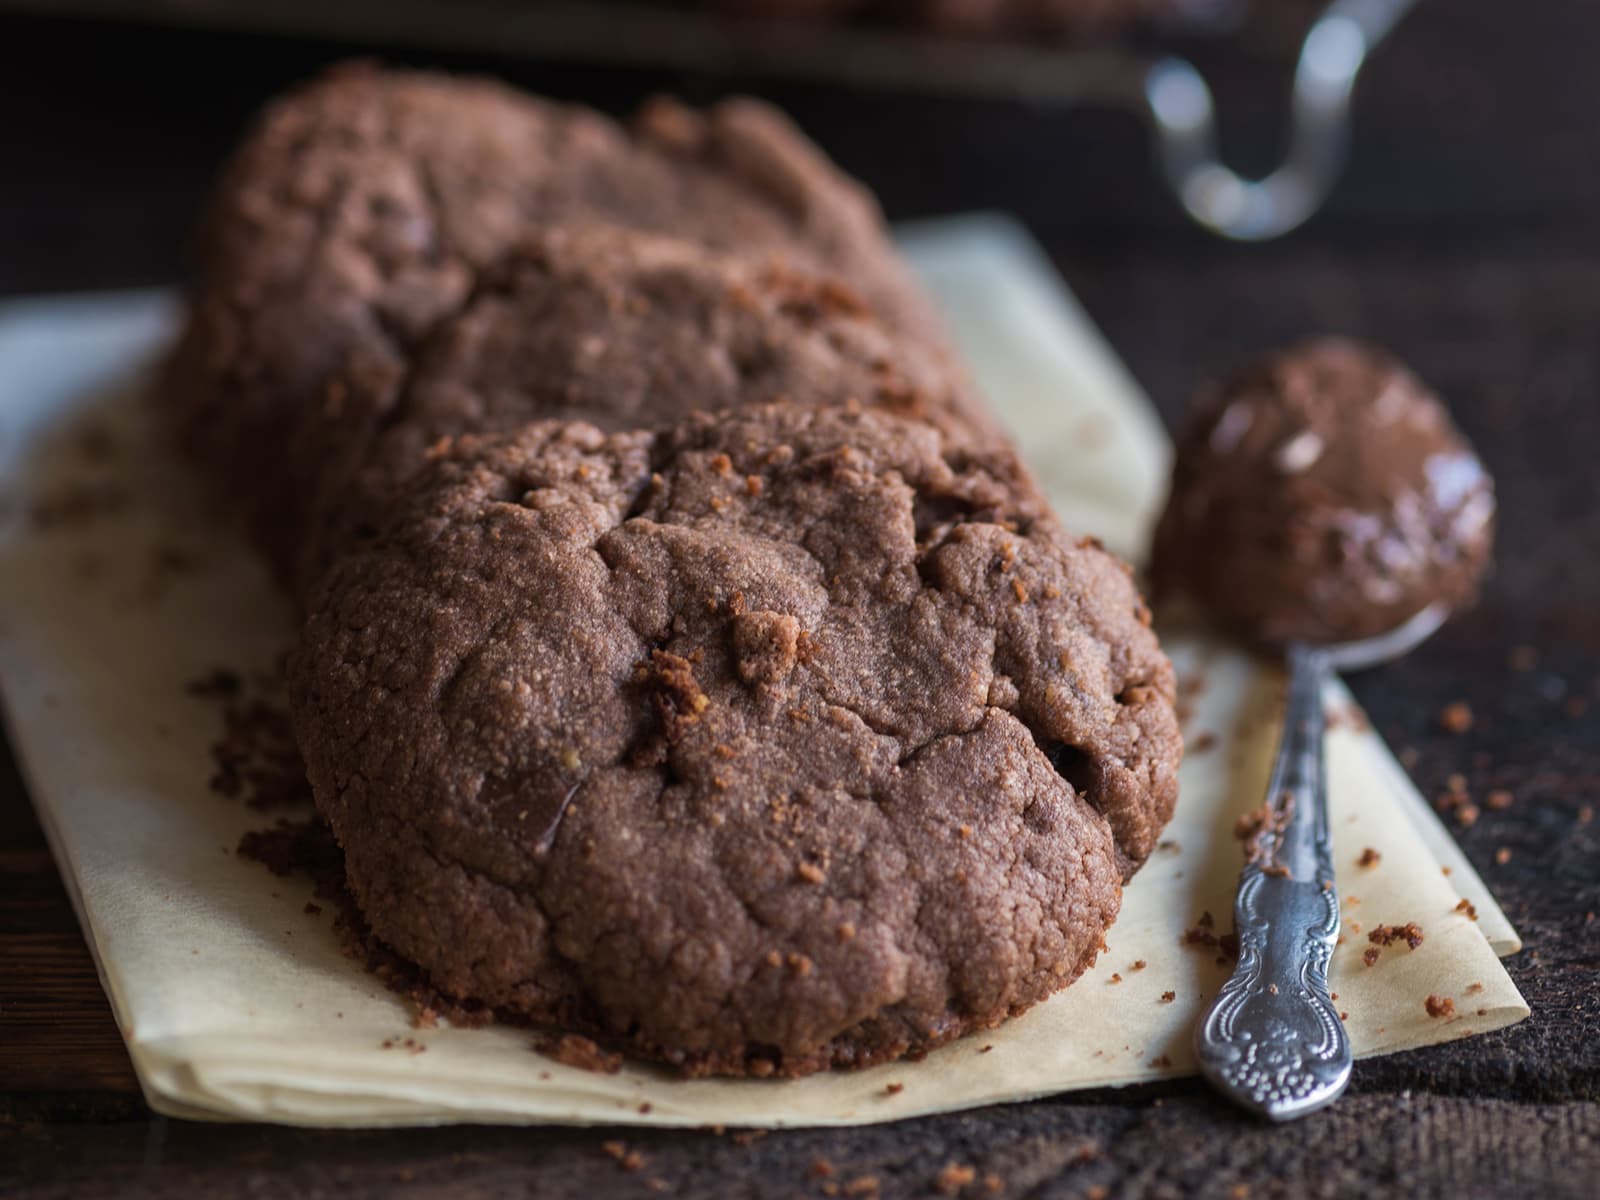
(363, 206)
(766, 743)
(623, 330)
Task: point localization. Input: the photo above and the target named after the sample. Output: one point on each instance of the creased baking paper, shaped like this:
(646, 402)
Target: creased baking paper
(235, 1002)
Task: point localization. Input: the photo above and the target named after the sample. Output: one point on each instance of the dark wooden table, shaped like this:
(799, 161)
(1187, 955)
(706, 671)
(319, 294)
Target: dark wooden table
(1466, 236)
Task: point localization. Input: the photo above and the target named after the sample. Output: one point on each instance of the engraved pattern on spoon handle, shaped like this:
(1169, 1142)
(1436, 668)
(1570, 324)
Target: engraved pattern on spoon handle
(1272, 1040)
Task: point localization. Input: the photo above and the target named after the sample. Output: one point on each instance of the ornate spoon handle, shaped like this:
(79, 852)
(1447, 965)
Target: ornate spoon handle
(1272, 1040)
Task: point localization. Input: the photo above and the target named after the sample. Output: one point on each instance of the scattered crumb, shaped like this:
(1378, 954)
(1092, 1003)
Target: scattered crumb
(893, 1089)
(1116, 977)
(1440, 1006)
(862, 1185)
(993, 1184)
(615, 1149)
(1239, 1191)
(1502, 856)
(1168, 997)
(1456, 717)
(1138, 965)
(1474, 988)
(1467, 814)
(632, 1160)
(1369, 858)
(1161, 1062)
(1370, 956)
(1466, 906)
(574, 1050)
(820, 1168)
(1385, 935)
(1498, 800)
(984, 1049)
(952, 1177)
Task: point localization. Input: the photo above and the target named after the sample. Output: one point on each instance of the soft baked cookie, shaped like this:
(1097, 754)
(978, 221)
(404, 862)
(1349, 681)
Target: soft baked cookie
(621, 329)
(780, 740)
(361, 209)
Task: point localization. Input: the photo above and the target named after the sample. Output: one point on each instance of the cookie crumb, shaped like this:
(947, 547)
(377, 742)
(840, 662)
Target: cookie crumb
(1138, 965)
(862, 1185)
(1439, 1006)
(1499, 800)
(1502, 856)
(1456, 717)
(952, 1177)
(1386, 935)
(1369, 858)
(574, 1050)
(1161, 1061)
(1474, 988)
(1370, 956)
(1168, 997)
(1468, 908)
(893, 1089)
(820, 1168)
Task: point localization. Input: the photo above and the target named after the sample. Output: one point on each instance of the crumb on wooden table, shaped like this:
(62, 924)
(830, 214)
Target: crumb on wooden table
(952, 1177)
(1456, 717)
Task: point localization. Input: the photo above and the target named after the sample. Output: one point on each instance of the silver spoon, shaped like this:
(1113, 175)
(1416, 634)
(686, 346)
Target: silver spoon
(1272, 1040)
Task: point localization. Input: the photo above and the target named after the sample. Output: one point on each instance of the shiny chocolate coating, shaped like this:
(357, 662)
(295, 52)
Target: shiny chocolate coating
(1324, 495)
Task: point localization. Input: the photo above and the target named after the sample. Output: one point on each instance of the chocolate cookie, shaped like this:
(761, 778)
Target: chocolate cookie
(361, 210)
(1324, 495)
(623, 330)
(774, 741)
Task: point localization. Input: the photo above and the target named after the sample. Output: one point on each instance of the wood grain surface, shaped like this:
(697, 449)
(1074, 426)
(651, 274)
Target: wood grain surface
(1464, 237)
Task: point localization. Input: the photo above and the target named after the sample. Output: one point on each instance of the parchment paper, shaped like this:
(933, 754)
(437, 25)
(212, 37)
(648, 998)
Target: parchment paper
(237, 1003)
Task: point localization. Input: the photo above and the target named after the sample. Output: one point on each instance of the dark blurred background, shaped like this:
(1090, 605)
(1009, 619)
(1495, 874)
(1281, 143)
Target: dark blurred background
(1477, 120)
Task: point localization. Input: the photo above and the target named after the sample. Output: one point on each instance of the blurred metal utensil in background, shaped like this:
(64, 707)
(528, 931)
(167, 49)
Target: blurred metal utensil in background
(1167, 90)
(1181, 113)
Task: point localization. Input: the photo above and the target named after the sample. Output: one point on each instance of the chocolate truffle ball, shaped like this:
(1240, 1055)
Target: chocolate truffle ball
(1324, 495)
